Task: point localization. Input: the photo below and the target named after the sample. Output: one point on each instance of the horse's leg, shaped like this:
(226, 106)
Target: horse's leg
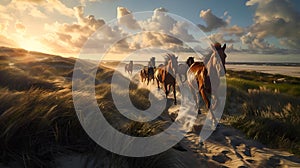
(166, 89)
(185, 77)
(180, 77)
(195, 96)
(157, 83)
(174, 92)
(204, 97)
(208, 105)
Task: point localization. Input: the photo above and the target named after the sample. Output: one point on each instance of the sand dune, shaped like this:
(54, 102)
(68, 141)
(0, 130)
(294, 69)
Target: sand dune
(226, 147)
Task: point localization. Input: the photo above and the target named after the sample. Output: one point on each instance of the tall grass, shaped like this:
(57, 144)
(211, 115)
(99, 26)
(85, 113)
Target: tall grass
(38, 122)
(266, 111)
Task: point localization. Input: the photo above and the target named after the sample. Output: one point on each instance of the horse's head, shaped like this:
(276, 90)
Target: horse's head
(173, 62)
(190, 61)
(152, 62)
(217, 48)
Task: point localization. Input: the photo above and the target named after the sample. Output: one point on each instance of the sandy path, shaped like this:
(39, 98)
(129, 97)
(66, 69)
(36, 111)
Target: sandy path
(226, 147)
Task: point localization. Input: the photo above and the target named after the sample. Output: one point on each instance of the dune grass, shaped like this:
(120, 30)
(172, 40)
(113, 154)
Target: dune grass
(38, 121)
(265, 110)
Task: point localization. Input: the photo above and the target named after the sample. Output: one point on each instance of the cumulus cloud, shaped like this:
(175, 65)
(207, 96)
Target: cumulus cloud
(36, 8)
(180, 30)
(255, 43)
(220, 37)
(58, 6)
(212, 21)
(276, 18)
(233, 30)
(126, 18)
(68, 38)
(163, 23)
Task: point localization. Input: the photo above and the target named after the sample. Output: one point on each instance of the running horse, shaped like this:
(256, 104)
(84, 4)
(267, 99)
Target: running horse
(200, 75)
(151, 70)
(183, 68)
(129, 67)
(167, 75)
(147, 73)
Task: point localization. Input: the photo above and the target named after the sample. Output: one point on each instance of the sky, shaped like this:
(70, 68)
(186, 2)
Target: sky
(64, 27)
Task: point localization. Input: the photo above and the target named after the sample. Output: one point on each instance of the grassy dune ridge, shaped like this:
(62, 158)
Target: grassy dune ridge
(38, 122)
(265, 107)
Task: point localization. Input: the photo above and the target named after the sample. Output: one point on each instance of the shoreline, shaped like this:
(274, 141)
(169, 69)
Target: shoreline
(293, 71)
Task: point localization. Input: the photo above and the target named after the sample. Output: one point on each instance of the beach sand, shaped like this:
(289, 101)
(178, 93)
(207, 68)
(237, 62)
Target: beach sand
(283, 70)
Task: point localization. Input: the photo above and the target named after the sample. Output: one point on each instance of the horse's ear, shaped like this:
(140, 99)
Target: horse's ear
(213, 47)
(224, 47)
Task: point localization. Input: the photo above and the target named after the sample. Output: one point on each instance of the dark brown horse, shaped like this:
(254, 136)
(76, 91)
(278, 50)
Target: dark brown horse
(200, 75)
(183, 68)
(147, 73)
(129, 67)
(167, 75)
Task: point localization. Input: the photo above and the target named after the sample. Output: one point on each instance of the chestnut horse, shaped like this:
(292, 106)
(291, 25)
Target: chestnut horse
(129, 67)
(200, 75)
(183, 68)
(167, 75)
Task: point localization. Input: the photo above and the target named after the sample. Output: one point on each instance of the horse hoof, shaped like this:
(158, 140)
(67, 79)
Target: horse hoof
(199, 112)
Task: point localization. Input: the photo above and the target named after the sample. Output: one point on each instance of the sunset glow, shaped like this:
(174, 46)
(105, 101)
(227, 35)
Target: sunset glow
(63, 27)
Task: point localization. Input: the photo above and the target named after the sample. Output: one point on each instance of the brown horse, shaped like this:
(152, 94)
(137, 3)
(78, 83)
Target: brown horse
(183, 68)
(167, 75)
(200, 75)
(147, 73)
(129, 67)
(143, 74)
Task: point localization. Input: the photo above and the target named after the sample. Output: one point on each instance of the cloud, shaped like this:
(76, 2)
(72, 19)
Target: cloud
(6, 41)
(161, 22)
(220, 37)
(255, 43)
(3, 27)
(83, 2)
(56, 5)
(37, 13)
(276, 18)
(36, 8)
(89, 22)
(212, 21)
(33, 1)
(20, 27)
(70, 38)
(233, 30)
(126, 18)
(180, 30)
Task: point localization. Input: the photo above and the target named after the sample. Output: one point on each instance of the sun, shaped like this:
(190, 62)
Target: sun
(31, 44)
